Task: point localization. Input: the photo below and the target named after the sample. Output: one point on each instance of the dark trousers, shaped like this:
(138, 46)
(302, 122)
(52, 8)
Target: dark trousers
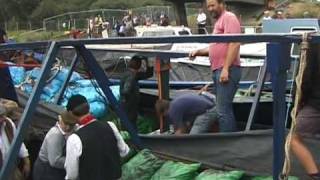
(131, 108)
(43, 171)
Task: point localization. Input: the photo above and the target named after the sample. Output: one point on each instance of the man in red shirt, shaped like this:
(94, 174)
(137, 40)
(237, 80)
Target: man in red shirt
(225, 63)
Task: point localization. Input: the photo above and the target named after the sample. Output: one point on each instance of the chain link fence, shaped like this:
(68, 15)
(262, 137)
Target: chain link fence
(20, 26)
(80, 20)
(154, 13)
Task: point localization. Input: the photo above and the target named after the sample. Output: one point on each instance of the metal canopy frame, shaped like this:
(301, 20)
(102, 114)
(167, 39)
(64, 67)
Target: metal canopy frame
(278, 58)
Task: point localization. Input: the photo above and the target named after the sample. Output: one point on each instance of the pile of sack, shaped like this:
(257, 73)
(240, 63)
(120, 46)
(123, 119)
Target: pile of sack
(25, 80)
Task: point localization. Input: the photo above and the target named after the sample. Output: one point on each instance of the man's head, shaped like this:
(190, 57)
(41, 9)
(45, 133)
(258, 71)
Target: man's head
(78, 105)
(215, 7)
(135, 62)
(162, 107)
(67, 121)
(280, 14)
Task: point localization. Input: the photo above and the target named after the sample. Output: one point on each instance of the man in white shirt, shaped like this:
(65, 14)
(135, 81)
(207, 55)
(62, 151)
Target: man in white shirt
(201, 21)
(93, 151)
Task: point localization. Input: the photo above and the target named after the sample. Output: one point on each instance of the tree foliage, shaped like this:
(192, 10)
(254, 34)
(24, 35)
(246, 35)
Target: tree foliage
(37, 10)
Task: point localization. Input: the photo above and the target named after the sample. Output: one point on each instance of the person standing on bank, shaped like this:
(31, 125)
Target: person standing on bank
(225, 63)
(3, 36)
(94, 150)
(50, 162)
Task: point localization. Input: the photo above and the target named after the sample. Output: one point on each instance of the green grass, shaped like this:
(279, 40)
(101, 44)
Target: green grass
(24, 36)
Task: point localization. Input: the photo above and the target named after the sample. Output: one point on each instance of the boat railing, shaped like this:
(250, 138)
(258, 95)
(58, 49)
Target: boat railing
(246, 29)
(277, 64)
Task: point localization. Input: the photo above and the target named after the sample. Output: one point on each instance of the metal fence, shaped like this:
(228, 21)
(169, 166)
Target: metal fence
(154, 13)
(20, 26)
(79, 20)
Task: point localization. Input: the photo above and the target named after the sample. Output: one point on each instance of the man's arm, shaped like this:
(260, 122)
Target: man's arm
(205, 88)
(23, 153)
(26, 168)
(122, 145)
(231, 26)
(178, 123)
(199, 52)
(233, 51)
(74, 151)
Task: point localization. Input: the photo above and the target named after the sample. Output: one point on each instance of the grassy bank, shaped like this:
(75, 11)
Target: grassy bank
(25, 36)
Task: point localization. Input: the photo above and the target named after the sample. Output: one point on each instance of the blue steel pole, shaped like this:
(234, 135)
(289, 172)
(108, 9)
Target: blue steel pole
(104, 84)
(27, 113)
(278, 59)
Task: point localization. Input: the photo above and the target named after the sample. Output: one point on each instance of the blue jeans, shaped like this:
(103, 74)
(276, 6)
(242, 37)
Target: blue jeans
(224, 94)
(203, 123)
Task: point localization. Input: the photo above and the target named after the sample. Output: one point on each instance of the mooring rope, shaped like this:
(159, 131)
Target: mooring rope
(298, 97)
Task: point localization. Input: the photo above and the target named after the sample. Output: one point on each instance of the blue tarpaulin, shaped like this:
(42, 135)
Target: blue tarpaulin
(77, 85)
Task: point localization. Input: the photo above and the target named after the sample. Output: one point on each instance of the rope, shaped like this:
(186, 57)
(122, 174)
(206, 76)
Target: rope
(289, 104)
(303, 62)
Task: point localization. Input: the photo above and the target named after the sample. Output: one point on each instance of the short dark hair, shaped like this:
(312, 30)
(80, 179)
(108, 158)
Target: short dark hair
(162, 106)
(219, 1)
(78, 105)
(135, 62)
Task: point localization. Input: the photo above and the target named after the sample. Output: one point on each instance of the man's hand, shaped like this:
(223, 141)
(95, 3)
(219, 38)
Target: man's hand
(205, 88)
(26, 167)
(193, 55)
(224, 76)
